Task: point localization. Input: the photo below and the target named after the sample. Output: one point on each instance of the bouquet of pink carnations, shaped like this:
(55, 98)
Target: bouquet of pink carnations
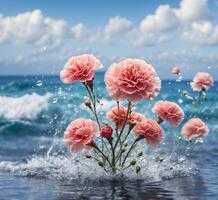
(128, 81)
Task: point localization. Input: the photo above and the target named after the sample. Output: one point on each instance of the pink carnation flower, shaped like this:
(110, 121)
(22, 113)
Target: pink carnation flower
(132, 79)
(135, 118)
(79, 134)
(151, 130)
(194, 128)
(176, 70)
(80, 68)
(119, 115)
(201, 81)
(169, 111)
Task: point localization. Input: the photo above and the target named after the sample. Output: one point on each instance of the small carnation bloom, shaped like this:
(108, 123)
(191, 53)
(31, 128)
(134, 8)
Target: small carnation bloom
(194, 128)
(132, 79)
(176, 70)
(169, 111)
(107, 131)
(135, 118)
(202, 81)
(80, 68)
(151, 131)
(80, 134)
(118, 115)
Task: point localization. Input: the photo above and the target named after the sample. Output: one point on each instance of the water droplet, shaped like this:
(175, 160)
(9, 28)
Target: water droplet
(54, 100)
(44, 48)
(39, 83)
(181, 159)
(199, 140)
(180, 101)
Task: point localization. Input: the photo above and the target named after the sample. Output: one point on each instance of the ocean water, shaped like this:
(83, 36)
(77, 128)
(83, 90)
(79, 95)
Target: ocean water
(34, 164)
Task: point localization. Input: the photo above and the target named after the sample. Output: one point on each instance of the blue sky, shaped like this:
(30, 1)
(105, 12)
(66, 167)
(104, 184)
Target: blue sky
(37, 37)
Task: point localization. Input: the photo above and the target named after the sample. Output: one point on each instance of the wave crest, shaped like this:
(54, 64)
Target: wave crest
(27, 106)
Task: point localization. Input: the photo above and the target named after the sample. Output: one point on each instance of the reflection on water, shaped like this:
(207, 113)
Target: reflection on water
(32, 188)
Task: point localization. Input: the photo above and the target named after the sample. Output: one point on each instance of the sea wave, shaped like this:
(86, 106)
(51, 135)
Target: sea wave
(27, 106)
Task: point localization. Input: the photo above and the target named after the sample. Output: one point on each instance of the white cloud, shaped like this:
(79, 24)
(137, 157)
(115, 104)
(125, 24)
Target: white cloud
(167, 18)
(149, 40)
(204, 33)
(192, 10)
(191, 19)
(163, 19)
(118, 25)
(100, 37)
(31, 27)
(80, 31)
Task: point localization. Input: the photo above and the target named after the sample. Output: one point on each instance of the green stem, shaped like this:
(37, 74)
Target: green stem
(121, 132)
(105, 157)
(122, 143)
(131, 148)
(113, 161)
(127, 167)
(117, 127)
(92, 98)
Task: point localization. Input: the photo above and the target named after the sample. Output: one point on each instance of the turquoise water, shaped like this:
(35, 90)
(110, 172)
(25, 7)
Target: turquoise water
(34, 164)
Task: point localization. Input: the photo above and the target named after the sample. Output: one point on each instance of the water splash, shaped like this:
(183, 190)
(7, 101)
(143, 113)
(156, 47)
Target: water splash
(75, 166)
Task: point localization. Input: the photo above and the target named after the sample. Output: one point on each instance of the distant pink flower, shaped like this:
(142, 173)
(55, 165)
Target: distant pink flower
(80, 68)
(151, 130)
(169, 111)
(201, 81)
(106, 132)
(194, 128)
(79, 134)
(176, 70)
(135, 118)
(118, 115)
(132, 79)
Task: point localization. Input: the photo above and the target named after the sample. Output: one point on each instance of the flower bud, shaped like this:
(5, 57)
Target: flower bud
(132, 125)
(100, 163)
(88, 104)
(133, 162)
(106, 132)
(138, 169)
(140, 154)
(123, 150)
(185, 93)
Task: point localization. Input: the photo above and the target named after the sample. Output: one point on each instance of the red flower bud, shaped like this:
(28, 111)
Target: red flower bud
(107, 131)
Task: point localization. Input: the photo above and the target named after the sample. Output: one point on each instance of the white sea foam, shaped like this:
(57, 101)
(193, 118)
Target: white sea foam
(23, 107)
(76, 167)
